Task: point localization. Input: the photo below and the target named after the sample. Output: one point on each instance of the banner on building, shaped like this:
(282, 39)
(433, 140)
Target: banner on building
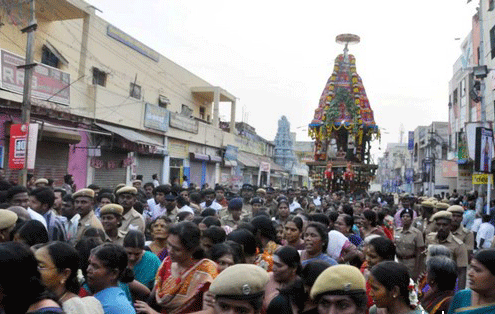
(464, 180)
(32, 144)
(17, 148)
(48, 83)
(483, 150)
(410, 143)
(471, 135)
(462, 149)
(265, 166)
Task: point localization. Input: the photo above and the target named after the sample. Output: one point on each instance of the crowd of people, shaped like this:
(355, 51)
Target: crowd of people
(150, 248)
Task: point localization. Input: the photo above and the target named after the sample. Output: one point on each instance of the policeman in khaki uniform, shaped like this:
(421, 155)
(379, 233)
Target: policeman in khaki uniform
(116, 211)
(423, 223)
(235, 215)
(409, 243)
(131, 219)
(8, 220)
(239, 289)
(465, 235)
(444, 237)
(337, 285)
(84, 202)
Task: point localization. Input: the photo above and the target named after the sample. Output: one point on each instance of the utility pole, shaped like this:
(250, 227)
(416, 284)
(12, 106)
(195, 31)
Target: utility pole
(28, 75)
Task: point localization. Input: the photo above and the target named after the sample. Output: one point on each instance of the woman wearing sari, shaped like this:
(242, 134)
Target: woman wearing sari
(480, 298)
(184, 275)
(159, 233)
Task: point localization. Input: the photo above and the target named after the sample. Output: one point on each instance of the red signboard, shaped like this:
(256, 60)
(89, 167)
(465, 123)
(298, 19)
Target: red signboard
(48, 83)
(17, 151)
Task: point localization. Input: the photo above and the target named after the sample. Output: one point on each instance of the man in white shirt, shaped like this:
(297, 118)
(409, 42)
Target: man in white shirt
(293, 204)
(316, 199)
(209, 202)
(485, 234)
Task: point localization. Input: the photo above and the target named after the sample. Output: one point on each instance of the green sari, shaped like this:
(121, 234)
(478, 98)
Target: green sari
(461, 303)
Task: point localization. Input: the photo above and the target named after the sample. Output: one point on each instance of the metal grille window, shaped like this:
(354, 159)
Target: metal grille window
(49, 58)
(99, 77)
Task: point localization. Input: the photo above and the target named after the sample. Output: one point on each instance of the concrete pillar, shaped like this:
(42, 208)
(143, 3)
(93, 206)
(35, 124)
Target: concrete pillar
(166, 163)
(84, 43)
(217, 172)
(216, 109)
(232, 117)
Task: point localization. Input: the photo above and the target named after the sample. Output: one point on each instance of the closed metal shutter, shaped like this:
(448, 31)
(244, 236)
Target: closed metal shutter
(210, 174)
(109, 178)
(195, 169)
(148, 166)
(52, 159)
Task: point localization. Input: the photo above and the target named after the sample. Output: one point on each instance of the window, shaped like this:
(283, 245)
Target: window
(491, 5)
(492, 41)
(202, 112)
(49, 58)
(135, 91)
(99, 77)
(463, 87)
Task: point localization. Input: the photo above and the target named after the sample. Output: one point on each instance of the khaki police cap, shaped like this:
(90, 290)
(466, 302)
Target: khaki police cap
(7, 219)
(241, 281)
(41, 181)
(443, 214)
(442, 205)
(112, 209)
(84, 192)
(260, 190)
(342, 278)
(456, 209)
(137, 181)
(427, 204)
(127, 189)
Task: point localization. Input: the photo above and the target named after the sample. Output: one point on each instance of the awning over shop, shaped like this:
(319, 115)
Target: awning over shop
(248, 160)
(254, 161)
(59, 133)
(198, 156)
(131, 135)
(230, 163)
(215, 158)
(299, 171)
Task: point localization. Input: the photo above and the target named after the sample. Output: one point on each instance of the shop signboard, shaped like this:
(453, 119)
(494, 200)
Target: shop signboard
(184, 123)
(48, 83)
(17, 148)
(156, 118)
(231, 152)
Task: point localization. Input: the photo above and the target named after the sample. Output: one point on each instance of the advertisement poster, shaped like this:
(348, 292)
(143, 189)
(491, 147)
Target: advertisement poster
(483, 150)
(17, 148)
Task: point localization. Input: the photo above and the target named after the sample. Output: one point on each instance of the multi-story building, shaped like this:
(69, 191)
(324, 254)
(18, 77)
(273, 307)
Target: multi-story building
(429, 160)
(391, 173)
(107, 106)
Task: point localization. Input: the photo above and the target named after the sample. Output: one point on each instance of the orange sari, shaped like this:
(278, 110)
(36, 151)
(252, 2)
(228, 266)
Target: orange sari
(183, 293)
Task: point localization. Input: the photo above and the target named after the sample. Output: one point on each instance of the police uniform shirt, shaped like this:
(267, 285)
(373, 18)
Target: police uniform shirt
(119, 240)
(88, 221)
(132, 220)
(228, 220)
(407, 241)
(458, 249)
(466, 236)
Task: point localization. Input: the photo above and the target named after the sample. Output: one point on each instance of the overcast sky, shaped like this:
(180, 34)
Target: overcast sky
(276, 56)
